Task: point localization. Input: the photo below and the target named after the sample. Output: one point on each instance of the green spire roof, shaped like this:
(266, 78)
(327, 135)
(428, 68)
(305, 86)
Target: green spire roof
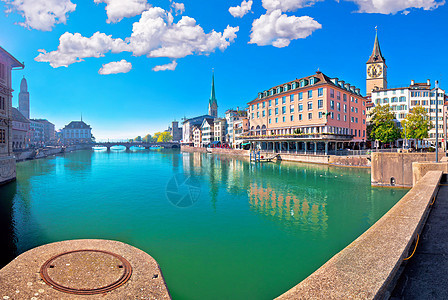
(212, 97)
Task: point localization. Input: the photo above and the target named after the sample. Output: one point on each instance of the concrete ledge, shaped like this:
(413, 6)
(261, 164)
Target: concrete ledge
(7, 169)
(21, 278)
(366, 267)
(419, 169)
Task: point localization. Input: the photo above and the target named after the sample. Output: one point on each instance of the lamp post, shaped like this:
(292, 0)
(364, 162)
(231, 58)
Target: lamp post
(437, 121)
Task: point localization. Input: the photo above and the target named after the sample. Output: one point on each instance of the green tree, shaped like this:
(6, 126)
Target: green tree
(164, 137)
(138, 139)
(155, 137)
(147, 138)
(383, 126)
(417, 124)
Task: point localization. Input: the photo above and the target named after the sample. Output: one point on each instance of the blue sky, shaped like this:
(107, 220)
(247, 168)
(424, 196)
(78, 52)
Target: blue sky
(274, 42)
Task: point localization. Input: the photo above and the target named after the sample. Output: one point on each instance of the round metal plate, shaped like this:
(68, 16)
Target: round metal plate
(86, 272)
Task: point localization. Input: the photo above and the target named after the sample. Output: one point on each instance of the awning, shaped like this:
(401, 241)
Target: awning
(244, 144)
(215, 142)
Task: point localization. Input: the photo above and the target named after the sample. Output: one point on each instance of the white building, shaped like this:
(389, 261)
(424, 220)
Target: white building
(232, 117)
(37, 133)
(219, 127)
(402, 100)
(77, 132)
(197, 136)
(208, 132)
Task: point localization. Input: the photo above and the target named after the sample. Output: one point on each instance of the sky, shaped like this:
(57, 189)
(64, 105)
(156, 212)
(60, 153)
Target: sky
(130, 67)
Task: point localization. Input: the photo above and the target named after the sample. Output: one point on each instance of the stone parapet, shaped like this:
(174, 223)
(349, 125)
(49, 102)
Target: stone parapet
(367, 267)
(7, 169)
(419, 169)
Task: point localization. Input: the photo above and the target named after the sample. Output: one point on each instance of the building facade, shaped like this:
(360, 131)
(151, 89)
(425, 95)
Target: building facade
(328, 111)
(197, 136)
(24, 99)
(207, 132)
(37, 133)
(220, 127)
(7, 160)
(232, 117)
(20, 129)
(376, 69)
(175, 131)
(49, 133)
(77, 132)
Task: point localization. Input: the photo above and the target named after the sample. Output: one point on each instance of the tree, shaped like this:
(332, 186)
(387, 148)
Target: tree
(417, 124)
(147, 138)
(297, 131)
(138, 139)
(382, 126)
(164, 137)
(155, 137)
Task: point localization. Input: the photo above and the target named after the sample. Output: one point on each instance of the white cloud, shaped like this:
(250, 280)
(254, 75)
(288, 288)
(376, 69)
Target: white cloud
(171, 66)
(74, 47)
(240, 11)
(118, 9)
(115, 67)
(41, 14)
(394, 6)
(278, 30)
(179, 8)
(154, 35)
(287, 5)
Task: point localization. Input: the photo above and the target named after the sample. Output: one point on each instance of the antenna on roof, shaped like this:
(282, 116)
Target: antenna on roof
(81, 117)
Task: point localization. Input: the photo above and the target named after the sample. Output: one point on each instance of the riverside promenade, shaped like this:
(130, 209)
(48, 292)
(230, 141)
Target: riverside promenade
(425, 276)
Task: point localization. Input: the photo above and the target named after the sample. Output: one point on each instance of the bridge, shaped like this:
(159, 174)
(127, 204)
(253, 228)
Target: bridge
(128, 145)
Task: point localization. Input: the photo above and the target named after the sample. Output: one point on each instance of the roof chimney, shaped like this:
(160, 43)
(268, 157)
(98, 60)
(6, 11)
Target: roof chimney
(412, 82)
(428, 82)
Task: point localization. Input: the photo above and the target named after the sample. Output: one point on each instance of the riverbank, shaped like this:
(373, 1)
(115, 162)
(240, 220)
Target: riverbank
(362, 161)
(48, 151)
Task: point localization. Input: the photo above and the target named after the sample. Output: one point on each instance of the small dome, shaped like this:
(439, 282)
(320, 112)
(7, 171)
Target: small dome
(23, 85)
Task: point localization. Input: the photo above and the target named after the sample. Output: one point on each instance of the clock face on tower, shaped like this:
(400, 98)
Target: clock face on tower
(374, 70)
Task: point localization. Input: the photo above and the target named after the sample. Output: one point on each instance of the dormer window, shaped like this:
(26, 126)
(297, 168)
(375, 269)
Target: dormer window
(312, 81)
(294, 85)
(303, 83)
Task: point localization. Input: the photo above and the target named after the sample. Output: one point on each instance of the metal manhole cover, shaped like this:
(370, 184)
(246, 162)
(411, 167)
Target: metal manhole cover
(86, 272)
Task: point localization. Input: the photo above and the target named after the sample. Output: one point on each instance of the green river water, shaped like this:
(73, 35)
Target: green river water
(220, 227)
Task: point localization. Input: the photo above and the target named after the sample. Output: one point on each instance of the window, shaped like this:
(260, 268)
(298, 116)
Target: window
(345, 118)
(252, 115)
(310, 116)
(253, 107)
(263, 104)
(353, 120)
(310, 105)
(283, 110)
(300, 107)
(291, 109)
(276, 120)
(356, 110)
(284, 119)
(320, 92)
(283, 99)
(269, 112)
(338, 95)
(394, 99)
(264, 113)
(331, 93)
(338, 106)
(258, 114)
(331, 104)
(276, 101)
(320, 115)
(300, 117)
(310, 94)
(258, 105)
(291, 98)
(320, 104)
(270, 102)
(292, 118)
(2, 136)
(345, 108)
(269, 121)
(339, 117)
(300, 96)
(344, 97)
(276, 110)
(352, 109)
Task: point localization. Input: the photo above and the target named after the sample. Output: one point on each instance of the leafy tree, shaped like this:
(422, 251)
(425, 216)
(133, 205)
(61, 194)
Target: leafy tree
(383, 126)
(417, 124)
(297, 131)
(164, 137)
(147, 138)
(131, 140)
(138, 139)
(155, 137)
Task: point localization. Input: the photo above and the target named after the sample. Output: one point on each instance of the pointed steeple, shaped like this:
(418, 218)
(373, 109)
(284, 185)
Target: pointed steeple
(376, 55)
(212, 97)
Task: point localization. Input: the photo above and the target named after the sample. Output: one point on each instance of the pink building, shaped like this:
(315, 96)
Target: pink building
(312, 114)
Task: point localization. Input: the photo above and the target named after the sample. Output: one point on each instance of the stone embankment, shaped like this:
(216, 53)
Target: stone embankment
(48, 151)
(345, 161)
(369, 266)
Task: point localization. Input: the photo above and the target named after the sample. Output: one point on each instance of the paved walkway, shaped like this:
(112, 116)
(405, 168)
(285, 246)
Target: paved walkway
(426, 274)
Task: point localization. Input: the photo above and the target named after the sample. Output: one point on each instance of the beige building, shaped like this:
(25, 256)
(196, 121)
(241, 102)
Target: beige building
(197, 136)
(240, 128)
(7, 160)
(219, 131)
(208, 132)
(20, 129)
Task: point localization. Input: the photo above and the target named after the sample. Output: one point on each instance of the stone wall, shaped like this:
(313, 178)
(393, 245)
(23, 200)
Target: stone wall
(395, 169)
(351, 161)
(419, 169)
(7, 169)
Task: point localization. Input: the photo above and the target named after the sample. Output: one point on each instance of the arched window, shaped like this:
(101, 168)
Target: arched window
(263, 130)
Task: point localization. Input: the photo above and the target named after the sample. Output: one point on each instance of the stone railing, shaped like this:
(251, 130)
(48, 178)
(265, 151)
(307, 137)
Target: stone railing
(366, 268)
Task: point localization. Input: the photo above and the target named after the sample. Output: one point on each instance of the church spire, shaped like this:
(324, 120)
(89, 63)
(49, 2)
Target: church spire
(212, 97)
(212, 102)
(376, 55)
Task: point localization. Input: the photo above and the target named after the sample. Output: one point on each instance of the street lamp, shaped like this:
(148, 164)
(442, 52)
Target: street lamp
(437, 120)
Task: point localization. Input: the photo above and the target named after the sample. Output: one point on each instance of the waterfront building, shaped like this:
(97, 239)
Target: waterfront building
(24, 99)
(7, 160)
(403, 99)
(232, 117)
(37, 133)
(49, 133)
(219, 126)
(311, 114)
(20, 129)
(77, 132)
(240, 128)
(208, 131)
(175, 131)
(197, 136)
(212, 102)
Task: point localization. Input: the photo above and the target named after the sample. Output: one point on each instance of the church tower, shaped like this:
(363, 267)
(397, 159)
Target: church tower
(212, 102)
(376, 69)
(24, 99)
